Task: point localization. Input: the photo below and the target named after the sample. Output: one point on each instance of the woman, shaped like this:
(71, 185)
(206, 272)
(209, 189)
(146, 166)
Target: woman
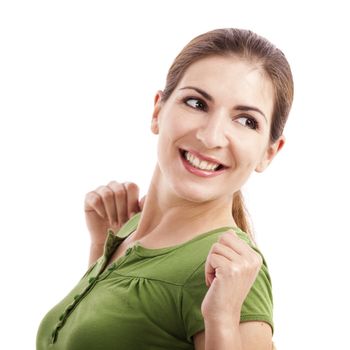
(183, 274)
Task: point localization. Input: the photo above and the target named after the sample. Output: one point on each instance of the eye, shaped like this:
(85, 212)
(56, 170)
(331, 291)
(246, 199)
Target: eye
(249, 122)
(196, 103)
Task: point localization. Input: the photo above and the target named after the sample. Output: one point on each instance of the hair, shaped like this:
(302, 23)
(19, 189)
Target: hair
(247, 45)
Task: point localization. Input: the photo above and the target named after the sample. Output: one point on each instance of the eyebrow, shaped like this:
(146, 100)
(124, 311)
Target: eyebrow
(210, 98)
(251, 108)
(200, 91)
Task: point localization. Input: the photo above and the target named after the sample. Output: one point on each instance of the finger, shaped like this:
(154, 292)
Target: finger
(93, 202)
(142, 202)
(225, 251)
(107, 196)
(231, 240)
(119, 196)
(212, 263)
(242, 248)
(132, 198)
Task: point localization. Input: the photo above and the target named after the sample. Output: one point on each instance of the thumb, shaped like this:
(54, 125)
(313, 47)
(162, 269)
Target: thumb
(142, 202)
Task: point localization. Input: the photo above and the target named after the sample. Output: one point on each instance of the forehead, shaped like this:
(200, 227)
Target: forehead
(231, 79)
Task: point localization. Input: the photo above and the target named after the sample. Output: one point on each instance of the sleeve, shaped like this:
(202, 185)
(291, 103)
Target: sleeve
(258, 305)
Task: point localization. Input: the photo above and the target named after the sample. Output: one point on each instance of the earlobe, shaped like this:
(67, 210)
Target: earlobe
(270, 153)
(156, 110)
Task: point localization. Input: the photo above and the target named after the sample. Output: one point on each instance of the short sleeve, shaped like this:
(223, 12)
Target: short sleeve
(258, 305)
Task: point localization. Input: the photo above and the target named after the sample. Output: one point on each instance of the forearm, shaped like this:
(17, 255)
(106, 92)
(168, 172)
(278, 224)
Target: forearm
(96, 250)
(220, 336)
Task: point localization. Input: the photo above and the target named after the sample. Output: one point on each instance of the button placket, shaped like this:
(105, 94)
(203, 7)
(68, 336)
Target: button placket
(112, 242)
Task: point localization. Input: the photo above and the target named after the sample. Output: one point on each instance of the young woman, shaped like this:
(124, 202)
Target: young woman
(184, 273)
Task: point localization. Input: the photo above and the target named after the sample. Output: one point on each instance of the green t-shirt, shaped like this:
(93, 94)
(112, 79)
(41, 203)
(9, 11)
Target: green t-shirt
(146, 299)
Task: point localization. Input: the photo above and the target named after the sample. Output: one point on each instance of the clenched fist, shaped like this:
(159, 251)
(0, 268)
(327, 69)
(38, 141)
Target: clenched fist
(110, 207)
(230, 271)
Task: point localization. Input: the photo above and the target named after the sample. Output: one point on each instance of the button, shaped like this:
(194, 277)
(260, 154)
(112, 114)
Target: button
(128, 251)
(69, 308)
(92, 280)
(59, 325)
(112, 267)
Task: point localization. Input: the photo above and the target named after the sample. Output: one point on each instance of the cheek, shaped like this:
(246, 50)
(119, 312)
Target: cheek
(247, 151)
(176, 125)
(170, 132)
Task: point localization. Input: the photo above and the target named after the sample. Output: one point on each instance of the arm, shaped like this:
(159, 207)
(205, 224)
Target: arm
(248, 336)
(108, 207)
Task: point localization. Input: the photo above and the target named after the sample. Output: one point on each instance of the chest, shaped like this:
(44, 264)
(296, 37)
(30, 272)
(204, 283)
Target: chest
(119, 312)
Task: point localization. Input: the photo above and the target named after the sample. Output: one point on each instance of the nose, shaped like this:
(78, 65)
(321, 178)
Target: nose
(213, 132)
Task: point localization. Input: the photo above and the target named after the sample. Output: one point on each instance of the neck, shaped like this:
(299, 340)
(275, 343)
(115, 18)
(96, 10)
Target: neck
(164, 211)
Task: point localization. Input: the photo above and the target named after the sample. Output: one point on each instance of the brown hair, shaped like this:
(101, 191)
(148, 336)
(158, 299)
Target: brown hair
(252, 47)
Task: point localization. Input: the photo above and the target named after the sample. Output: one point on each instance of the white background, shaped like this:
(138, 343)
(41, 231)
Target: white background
(77, 80)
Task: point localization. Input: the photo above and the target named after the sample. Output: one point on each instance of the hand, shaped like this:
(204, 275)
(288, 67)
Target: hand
(110, 207)
(230, 271)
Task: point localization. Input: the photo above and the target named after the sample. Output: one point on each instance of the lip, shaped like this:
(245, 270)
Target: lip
(200, 172)
(203, 157)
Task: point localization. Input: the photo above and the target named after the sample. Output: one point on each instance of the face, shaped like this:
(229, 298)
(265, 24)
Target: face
(214, 129)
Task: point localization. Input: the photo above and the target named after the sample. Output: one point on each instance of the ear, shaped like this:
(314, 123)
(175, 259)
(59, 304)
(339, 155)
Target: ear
(156, 110)
(270, 153)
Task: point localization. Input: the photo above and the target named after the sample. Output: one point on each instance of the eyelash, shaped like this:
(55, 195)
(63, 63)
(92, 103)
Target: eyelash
(205, 108)
(255, 122)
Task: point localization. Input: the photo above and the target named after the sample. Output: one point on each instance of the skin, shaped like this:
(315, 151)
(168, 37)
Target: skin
(186, 204)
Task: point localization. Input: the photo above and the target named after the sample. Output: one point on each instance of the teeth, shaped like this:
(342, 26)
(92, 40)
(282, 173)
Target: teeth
(200, 164)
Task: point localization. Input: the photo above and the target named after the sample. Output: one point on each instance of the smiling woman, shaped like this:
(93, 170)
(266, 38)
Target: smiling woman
(184, 273)
(221, 110)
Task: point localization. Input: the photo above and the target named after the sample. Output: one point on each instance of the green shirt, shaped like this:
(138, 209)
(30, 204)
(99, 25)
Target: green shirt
(146, 299)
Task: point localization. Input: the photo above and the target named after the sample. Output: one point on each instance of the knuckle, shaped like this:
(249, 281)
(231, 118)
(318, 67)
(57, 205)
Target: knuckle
(120, 193)
(215, 247)
(246, 267)
(99, 189)
(254, 266)
(106, 193)
(224, 238)
(92, 198)
(221, 239)
(131, 186)
(113, 184)
(235, 270)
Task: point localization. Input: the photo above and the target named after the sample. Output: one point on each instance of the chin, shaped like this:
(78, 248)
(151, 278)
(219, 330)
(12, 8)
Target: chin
(193, 194)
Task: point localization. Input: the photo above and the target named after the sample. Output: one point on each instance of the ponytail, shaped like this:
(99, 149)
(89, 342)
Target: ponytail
(240, 214)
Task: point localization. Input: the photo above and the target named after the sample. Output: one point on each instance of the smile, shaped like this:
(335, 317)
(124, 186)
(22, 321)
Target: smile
(200, 166)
